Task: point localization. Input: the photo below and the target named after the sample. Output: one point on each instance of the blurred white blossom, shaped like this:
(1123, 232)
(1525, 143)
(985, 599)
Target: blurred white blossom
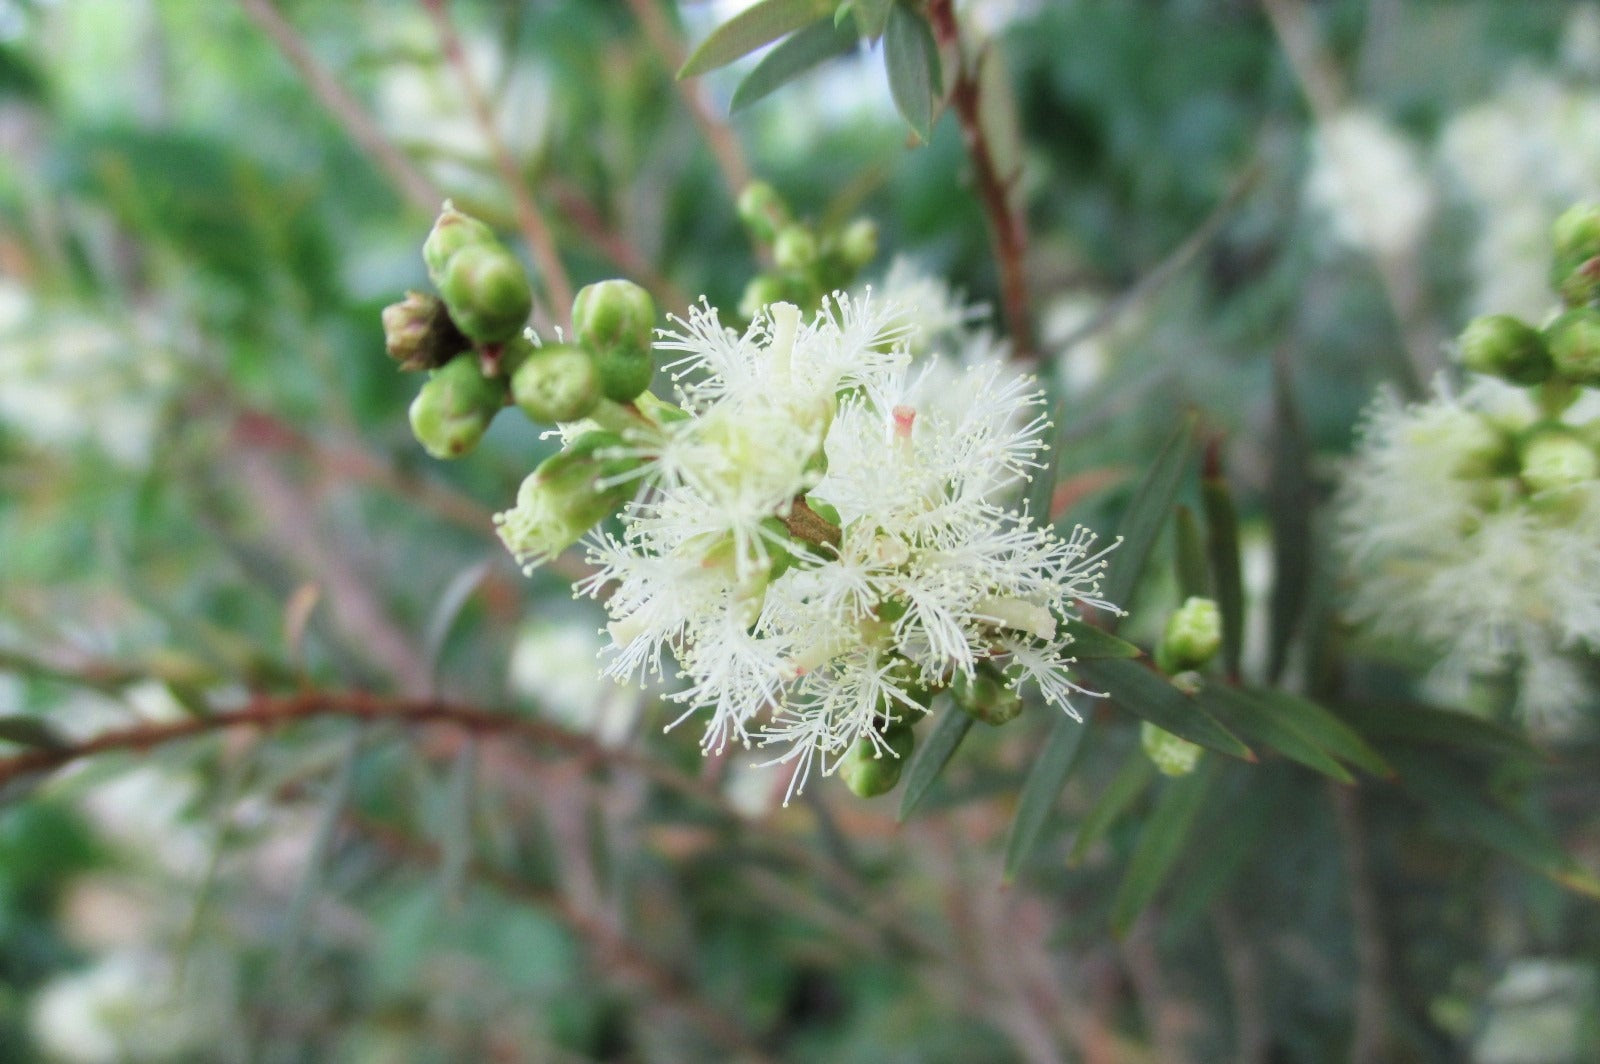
(1369, 181)
(125, 1009)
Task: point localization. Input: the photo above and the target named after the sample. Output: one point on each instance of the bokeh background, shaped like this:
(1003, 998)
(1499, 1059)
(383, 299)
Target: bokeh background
(208, 488)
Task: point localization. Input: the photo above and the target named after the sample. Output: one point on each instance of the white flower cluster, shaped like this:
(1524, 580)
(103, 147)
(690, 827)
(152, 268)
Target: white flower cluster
(1448, 545)
(819, 539)
(1368, 179)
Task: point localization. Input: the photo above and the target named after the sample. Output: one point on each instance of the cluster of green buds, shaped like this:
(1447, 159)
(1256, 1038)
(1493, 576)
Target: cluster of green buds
(472, 340)
(1191, 639)
(865, 768)
(808, 262)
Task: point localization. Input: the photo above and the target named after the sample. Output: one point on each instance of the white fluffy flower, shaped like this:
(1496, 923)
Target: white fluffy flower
(1446, 548)
(1369, 181)
(786, 637)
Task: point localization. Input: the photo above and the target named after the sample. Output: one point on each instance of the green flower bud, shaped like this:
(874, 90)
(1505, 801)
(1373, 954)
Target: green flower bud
(1576, 233)
(1574, 340)
(867, 771)
(1171, 755)
(763, 290)
(556, 382)
(795, 249)
(453, 410)
(418, 332)
(1554, 457)
(986, 696)
(1505, 346)
(568, 494)
(451, 232)
(487, 292)
(858, 244)
(762, 211)
(614, 317)
(1581, 284)
(623, 377)
(1192, 637)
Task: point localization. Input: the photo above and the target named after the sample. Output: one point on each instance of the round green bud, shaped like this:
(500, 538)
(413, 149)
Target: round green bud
(1574, 340)
(795, 248)
(556, 382)
(868, 771)
(858, 244)
(1171, 755)
(568, 494)
(762, 211)
(1576, 233)
(623, 377)
(1555, 457)
(763, 290)
(614, 317)
(487, 293)
(1192, 637)
(453, 410)
(1502, 345)
(986, 696)
(418, 332)
(452, 231)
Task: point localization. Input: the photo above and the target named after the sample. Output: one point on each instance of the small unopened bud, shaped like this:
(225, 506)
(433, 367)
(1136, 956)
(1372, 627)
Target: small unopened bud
(868, 771)
(487, 292)
(762, 211)
(762, 291)
(795, 249)
(453, 410)
(556, 382)
(1555, 458)
(986, 696)
(1576, 233)
(418, 332)
(1502, 345)
(568, 494)
(614, 317)
(452, 231)
(1574, 340)
(858, 244)
(1171, 755)
(1192, 637)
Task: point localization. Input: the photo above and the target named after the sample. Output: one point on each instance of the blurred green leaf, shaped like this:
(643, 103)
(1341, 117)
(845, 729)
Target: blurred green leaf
(795, 55)
(1193, 579)
(1131, 779)
(1147, 695)
(912, 60)
(1091, 642)
(933, 753)
(870, 16)
(1147, 512)
(757, 25)
(1222, 547)
(1042, 788)
(1325, 729)
(1164, 838)
(1263, 723)
(1289, 507)
(1448, 728)
(30, 731)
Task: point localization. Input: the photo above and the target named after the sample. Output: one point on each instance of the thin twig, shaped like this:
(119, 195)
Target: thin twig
(1327, 94)
(1369, 1024)
(412, 184)
(719, 138)
(1006, 226)
(532, 223)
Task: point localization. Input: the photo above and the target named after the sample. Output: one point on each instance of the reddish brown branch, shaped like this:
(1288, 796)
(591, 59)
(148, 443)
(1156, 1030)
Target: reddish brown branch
(1006, 228)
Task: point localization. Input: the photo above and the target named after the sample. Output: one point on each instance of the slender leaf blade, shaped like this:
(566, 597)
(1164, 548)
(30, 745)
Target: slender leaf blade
(933, 753)
(795, 55)
(1091, 642)
(1259, 722)
(30, 731)
(871, 16)
(1148, 695)
(1124, 789)
(912, 60)
(1146, 514)
(1222, 549)
(1326, 730)
(1161, 843)
(1417, 723)
(1194, 579)
(1041, 790)
(755, 26)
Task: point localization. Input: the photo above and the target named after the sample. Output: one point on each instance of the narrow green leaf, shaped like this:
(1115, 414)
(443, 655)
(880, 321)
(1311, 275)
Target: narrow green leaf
(1041, 790)
(870, 16)
(798, 53)
(1193, 577)
(912, 60)
(1042, 489)
(1222, 547)
(1146, 513)
(1262, 723)
(1148, 695)
(1462, 807)
(456, 838)
(1091, 642)
(29, 731)
(1289, 506)
(1233, 837)
(933, 753)
(1126, 786)
(1325, 729)
(757, 25)
(447, 610)
(298, 919)
(1161, 843)
(1439, 727)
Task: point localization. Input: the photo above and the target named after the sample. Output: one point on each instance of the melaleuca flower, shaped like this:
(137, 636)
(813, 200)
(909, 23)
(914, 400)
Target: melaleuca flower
(1472, 527)
(820, 540)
